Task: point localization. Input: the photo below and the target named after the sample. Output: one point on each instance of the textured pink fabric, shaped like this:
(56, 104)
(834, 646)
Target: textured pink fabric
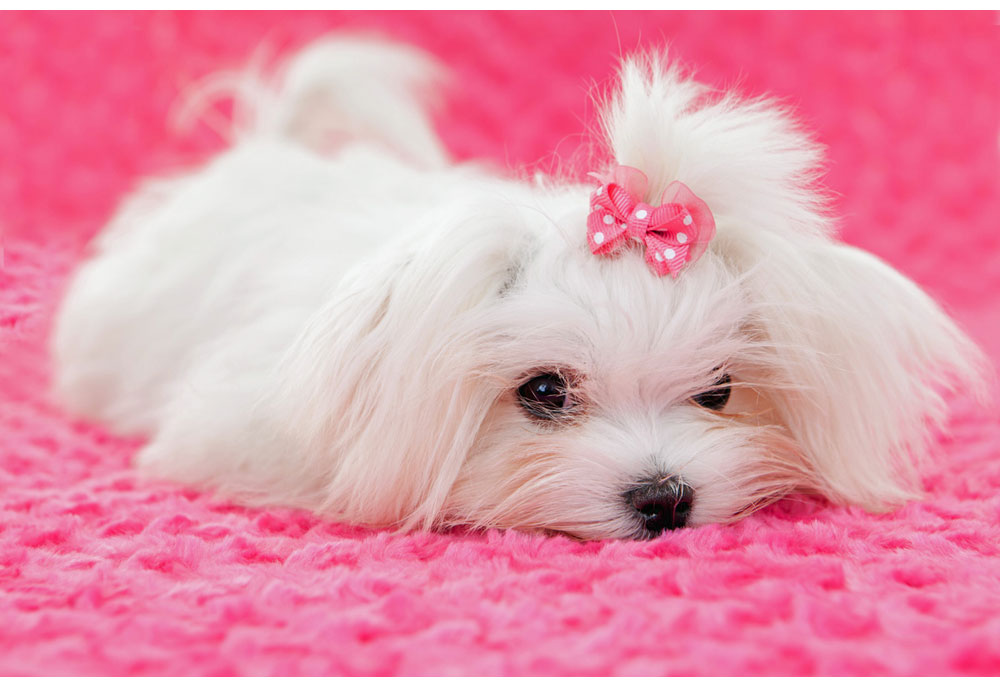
(100, 573)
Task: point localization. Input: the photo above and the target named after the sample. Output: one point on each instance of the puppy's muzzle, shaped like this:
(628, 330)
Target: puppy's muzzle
(663, 503)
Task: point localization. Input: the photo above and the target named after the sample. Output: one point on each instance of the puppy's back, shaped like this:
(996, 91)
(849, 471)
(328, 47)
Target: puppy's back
(246, 248)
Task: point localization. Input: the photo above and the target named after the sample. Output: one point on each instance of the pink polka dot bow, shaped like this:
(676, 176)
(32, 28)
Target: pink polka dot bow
(675, 233)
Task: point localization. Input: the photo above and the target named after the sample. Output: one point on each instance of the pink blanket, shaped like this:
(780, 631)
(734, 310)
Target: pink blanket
(101, 573)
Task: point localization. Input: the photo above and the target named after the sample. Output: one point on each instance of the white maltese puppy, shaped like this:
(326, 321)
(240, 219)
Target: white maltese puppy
(331, 315)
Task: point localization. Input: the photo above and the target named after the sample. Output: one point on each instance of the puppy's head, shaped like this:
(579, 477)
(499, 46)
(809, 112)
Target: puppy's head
(497, 373)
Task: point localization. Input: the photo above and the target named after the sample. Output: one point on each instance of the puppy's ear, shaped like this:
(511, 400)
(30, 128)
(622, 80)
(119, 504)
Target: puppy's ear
(383, 390)
(860, 357)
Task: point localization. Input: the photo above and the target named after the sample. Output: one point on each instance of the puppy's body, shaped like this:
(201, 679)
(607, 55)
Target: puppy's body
(329, 315)
(242, 251)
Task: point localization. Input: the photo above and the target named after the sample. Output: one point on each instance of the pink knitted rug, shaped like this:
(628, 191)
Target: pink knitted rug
(101, 573)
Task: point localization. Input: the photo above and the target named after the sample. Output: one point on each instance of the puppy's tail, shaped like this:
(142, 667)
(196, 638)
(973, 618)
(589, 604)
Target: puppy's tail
(335, 91)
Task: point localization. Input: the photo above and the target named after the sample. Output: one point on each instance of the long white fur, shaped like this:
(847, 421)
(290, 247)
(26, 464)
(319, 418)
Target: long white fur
(329, 315)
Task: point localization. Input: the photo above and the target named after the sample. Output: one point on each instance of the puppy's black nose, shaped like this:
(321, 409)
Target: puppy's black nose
(661, 504)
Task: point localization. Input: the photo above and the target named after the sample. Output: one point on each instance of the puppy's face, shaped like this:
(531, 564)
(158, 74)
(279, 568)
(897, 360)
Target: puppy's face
(623, 404)
(626, 404)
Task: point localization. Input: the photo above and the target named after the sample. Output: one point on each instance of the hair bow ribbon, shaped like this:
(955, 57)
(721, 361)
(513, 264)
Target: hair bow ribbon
(674, 233)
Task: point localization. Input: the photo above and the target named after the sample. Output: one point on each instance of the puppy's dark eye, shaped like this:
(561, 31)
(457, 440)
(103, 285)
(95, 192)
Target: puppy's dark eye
(716, 397)
(545, 396)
